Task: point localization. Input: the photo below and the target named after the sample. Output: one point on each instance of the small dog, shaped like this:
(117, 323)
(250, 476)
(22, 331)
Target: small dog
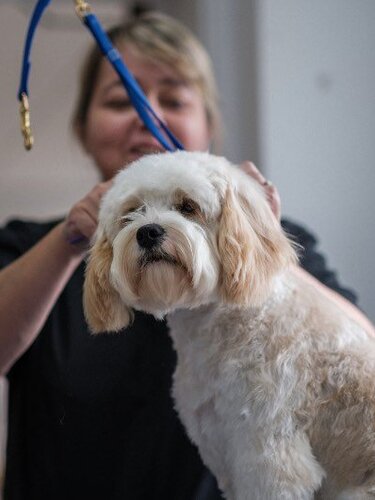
(273, 383)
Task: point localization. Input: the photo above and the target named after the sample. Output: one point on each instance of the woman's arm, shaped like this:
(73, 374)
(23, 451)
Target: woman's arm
(30, 286)
(347, 307)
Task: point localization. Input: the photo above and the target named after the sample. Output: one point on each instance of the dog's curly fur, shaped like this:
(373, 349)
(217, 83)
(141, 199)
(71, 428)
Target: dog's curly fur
(273, 383)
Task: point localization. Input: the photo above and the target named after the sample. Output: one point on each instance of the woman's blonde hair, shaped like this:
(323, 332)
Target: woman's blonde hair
(158, 37)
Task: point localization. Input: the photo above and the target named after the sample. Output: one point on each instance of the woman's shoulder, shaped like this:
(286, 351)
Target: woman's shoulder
(18, 235)
(29, 225)
(37, 228)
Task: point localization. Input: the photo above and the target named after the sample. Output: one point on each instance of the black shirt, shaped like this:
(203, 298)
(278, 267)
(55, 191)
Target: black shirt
(91, 417)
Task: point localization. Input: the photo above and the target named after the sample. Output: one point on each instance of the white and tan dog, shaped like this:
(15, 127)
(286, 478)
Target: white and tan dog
(273, 384)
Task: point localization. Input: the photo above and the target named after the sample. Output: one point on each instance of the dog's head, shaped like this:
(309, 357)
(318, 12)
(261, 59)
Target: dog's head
(179, 230)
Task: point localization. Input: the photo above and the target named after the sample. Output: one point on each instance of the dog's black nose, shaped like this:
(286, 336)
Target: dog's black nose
(150, 235)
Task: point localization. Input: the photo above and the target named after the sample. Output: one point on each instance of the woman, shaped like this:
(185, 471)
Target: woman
(92, 417)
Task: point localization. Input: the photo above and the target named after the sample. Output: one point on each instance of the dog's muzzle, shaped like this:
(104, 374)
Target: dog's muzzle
(150, 236)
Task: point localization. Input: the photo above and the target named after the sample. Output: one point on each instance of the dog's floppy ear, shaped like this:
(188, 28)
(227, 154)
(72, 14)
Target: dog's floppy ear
(103, 307)
(252, 248)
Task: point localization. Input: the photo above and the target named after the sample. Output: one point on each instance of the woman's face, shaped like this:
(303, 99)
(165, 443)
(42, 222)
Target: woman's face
(114, 135)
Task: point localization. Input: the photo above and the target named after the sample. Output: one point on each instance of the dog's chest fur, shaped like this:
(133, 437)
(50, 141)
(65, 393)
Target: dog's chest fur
(226, 385)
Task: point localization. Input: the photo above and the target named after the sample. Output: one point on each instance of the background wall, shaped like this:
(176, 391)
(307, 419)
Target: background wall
(297, 82)
(317, 123)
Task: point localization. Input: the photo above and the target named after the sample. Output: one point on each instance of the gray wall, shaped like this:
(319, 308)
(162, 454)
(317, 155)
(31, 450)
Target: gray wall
(317, 124)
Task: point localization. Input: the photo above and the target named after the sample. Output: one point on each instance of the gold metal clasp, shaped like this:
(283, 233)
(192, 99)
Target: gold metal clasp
(28, 139)
(82, 8)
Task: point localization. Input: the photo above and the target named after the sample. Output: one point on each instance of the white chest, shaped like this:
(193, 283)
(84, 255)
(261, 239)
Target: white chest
(212, 391)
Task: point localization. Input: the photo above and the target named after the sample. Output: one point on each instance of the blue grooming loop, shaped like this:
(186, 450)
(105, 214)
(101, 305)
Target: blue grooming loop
(137, 97)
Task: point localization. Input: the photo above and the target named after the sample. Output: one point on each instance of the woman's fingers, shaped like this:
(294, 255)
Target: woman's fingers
(249, 168)
(270, 190)
(82, 220)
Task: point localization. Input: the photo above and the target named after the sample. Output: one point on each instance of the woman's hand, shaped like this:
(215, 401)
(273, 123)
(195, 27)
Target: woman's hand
(82, 220)
(271, 192)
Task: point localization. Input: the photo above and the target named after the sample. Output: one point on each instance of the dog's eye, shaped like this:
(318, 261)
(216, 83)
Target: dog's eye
(187, 207)
(129, 216)
(124, 221)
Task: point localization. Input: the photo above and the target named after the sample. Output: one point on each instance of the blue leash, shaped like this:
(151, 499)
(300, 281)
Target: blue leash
(23, 92)
(137, 97)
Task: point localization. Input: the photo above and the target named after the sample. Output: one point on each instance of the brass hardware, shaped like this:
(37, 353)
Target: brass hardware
(82, 8)
(28, 139)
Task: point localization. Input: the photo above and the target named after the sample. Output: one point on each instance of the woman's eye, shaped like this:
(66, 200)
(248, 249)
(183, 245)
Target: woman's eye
(172, 103)
(118, 104)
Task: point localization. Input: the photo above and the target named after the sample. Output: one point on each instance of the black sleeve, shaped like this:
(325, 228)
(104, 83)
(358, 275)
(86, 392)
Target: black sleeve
(313, 261)
(19, 236)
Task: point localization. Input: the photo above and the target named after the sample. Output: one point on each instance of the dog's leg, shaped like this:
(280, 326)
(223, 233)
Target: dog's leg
(356, 494)
(272, 484)
(330, 491)
(280, 469)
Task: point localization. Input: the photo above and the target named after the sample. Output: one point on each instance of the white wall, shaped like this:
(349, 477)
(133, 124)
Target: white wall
(317, 123)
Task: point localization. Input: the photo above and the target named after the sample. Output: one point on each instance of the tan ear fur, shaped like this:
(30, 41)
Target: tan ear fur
(253, 249)
(103, 307)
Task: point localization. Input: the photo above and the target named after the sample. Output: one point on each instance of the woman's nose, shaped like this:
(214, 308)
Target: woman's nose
(156, 106)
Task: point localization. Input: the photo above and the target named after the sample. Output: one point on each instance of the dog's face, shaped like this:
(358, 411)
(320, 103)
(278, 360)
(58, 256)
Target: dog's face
(179, 230)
